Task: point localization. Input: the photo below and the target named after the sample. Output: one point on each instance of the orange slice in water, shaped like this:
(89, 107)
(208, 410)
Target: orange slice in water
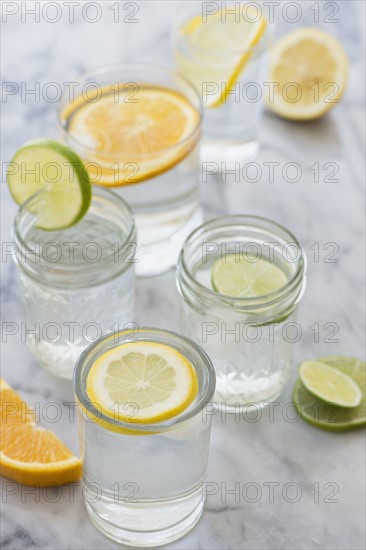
(129, 137)
(30, 454)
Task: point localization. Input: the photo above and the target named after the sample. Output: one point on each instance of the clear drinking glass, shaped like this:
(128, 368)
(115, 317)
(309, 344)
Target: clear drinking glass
(162, 187)
(144, 481)
(77, 283)
(232, 98)
(250, 340)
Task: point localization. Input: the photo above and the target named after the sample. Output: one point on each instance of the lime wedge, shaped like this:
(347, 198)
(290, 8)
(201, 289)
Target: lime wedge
(246, 276)
(57, 172)
(329, 384)
(328, 416)
(219, 48)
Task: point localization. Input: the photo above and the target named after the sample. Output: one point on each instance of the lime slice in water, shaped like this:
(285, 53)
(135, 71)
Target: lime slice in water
(48, 166)
(246, 276)
(328, 416)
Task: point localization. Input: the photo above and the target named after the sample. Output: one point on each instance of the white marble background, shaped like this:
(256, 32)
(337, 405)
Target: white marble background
(242, 452)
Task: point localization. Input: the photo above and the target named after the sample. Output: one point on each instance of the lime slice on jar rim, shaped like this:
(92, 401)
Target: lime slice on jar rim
(58, 175)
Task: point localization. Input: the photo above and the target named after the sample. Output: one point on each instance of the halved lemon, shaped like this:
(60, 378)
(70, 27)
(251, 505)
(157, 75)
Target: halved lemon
(30, 454)
(246, 276)
(130, 139)
(142, 382)
(216, 50)
(309, 73)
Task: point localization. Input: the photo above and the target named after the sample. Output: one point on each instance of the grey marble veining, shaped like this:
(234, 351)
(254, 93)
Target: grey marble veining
(254, 455)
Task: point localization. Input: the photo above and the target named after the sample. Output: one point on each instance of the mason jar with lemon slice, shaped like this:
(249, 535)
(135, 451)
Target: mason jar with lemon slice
(145, 419)
(137, 129)
(241, 279)
(221, 48)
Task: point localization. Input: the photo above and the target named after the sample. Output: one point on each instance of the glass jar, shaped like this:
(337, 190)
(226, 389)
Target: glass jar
(162, 186)
(233, 99)
(76, 283)
(250, 340)
(144, 482)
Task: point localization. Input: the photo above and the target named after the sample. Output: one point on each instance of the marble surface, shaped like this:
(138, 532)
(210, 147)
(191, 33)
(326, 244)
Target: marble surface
(270, 451)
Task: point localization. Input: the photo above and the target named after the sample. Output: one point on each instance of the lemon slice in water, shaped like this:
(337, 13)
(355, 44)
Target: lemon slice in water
(219, 47)
(142, 382)
(145, 136)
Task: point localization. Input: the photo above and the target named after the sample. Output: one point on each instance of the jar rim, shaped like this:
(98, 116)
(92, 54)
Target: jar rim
(105, 69)
(109, 255)
(154, 427)
(245, 303)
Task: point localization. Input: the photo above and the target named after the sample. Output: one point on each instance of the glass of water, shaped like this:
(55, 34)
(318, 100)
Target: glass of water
(249, 336)
(144, 481)
(221, 47)
(76, 283)
(137, 128)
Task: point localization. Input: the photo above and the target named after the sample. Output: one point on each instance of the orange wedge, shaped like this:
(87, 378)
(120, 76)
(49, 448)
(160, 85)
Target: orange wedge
(30, 454)
(128, 137)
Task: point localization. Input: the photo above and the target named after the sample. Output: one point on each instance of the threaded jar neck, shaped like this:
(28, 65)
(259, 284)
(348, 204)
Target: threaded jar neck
(234, 234)
(97, 249)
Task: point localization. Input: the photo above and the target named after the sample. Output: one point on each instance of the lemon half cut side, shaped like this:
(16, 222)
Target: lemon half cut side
(308, 72)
